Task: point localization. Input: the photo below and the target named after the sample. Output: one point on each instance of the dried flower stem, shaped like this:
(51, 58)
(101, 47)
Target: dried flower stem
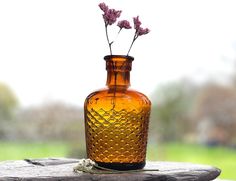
(109, 43)
(116, 36)
(135, 37)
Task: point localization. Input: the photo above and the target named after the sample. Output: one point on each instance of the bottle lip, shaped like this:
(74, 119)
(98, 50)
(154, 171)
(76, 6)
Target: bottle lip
(109, 57)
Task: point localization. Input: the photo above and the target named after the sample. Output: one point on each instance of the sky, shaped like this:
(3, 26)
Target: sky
(54, 49)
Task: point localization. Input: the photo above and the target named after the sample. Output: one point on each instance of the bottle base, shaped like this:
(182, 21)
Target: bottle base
(122, 166)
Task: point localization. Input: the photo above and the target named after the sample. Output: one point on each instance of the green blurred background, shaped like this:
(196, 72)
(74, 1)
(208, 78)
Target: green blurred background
(189, 123)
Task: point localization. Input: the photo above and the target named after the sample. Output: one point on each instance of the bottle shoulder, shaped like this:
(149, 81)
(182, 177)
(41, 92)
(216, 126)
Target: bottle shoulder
(96, 93)
(139, 94)
(126, 96)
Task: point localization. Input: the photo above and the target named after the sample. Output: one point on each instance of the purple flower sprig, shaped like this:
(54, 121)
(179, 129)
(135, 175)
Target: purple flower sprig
(139, 31)
(124, 24)
(110, 16)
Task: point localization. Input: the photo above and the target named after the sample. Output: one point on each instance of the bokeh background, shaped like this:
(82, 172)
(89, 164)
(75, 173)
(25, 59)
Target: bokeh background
(51, 58)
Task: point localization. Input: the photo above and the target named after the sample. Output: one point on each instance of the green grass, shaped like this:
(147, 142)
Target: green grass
(16, 150)
(223, 158)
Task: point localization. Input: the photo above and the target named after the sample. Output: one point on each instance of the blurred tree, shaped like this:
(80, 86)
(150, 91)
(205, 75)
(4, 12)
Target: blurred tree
(50, 121)
(8, 102)
(172, 103)
(215, 114)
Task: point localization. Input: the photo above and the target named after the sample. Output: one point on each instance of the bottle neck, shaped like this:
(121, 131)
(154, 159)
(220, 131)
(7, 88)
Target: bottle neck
(118, 71)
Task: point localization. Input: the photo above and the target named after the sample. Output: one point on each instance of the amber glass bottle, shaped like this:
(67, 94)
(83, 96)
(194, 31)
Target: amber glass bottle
(116, 119)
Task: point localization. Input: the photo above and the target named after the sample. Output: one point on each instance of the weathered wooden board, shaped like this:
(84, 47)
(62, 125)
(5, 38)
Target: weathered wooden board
(62, 169)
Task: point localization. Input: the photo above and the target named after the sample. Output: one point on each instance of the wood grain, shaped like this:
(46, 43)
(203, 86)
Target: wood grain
(62, 169)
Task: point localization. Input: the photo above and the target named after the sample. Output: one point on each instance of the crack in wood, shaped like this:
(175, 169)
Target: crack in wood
(33, 162)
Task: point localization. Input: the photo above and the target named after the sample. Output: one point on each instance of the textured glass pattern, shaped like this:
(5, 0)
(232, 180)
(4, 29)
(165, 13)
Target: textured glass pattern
(117, 136)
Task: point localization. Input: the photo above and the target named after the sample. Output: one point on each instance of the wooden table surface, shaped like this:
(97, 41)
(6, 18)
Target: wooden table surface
(62, 169)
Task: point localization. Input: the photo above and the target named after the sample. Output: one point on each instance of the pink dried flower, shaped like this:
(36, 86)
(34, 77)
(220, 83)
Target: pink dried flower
(137, 23)
(142, 31)
(139, 31)
(103, 7)
(110, 16)
(124, 24)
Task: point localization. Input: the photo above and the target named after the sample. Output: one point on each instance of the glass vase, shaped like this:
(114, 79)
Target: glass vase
(116, 119)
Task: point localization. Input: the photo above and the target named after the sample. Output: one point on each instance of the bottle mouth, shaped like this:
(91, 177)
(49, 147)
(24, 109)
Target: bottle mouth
(119, 58)
(118, 63)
